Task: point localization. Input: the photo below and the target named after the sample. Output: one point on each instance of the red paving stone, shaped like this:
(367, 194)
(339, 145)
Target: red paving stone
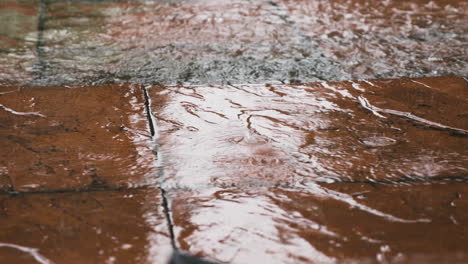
(267, 146)
(73, 153)
(337, 172)
(378, 131)
(59, 138)
(355, 172)
(90, 227)
(338, 223)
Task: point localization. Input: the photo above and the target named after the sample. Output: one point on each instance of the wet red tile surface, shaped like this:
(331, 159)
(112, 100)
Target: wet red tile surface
(377, 131)
(368, 171)
(74, 138)
(91, 227)
(339, 223)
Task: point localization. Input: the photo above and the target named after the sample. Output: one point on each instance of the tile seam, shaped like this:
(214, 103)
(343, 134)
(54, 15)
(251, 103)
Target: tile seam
(152, 125)
(84, 190)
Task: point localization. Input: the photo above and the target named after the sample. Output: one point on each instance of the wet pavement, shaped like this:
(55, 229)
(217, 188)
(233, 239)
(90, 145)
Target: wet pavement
(74, 138)
(235, 41)
(236, 131)
(358, 171)
(84, 227)
(78, 177)
(377, 131)
(339, 223)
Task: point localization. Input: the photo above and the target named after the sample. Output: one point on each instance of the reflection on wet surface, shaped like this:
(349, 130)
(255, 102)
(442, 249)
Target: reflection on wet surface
(338, 223)
(368, 171)
(89, 227)
(74, 138)
(407, 130)
(249, 168)
(216, 42)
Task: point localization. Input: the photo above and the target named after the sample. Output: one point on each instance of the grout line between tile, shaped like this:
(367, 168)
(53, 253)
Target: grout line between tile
(83, 190)
(153, 131)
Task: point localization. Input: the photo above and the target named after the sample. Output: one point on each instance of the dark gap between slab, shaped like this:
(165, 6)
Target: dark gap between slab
(152, 128)
(408, 180)
(82, 190)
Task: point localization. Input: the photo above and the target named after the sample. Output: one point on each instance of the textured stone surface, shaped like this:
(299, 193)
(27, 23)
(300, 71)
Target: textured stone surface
(74, 138)
(219, 42)
(190, 42)
(387, 39)
(18, 35)
(90, 227)
(339, 223)
(377, 131)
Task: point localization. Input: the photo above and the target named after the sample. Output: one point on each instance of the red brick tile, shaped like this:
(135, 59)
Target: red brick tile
(89, 227)
(317, 224)
(74, 138)
(381, 131)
